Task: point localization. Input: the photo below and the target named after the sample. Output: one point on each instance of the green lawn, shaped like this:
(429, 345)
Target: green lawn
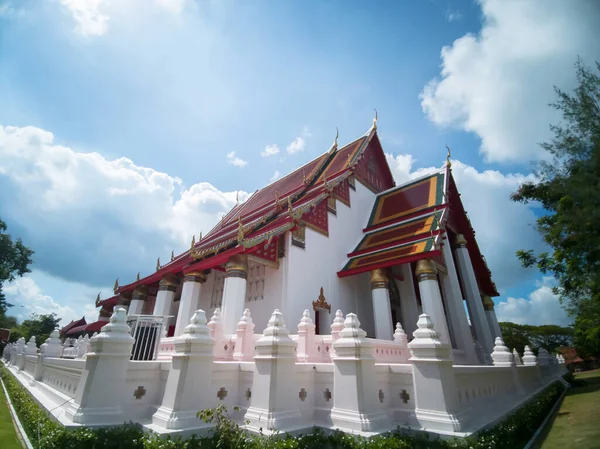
(8, 433)
(577, 422)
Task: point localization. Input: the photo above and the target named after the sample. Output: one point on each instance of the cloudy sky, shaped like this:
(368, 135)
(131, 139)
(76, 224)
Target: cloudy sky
(127, 126)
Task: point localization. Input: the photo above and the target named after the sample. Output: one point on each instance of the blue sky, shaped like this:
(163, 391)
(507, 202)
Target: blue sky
(129, 126)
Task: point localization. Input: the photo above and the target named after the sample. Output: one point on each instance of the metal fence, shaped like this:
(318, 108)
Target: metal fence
(147, 330)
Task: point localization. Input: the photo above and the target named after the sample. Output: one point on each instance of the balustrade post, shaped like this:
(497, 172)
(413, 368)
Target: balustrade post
(436, 393)
(102, 388)
(356, 403)
(244, 342)
(188, 387)
(273, 394)
(306, 337)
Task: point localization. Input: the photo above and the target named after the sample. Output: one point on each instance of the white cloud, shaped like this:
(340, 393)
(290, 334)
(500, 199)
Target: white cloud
(275, 176)
(299, 143)
(502, 226)
(542, 307)
(234, 160)
(499, 82)
(270, 150)
(90, 219)
(27, 298)
(173, 6)
(90, 21)
(453, 16)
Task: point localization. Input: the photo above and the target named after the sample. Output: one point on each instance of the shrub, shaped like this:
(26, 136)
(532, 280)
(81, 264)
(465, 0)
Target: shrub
(512, 432)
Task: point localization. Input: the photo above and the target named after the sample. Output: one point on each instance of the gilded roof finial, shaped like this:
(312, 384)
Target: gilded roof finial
(172, 255)
(289, 201)
(448, 163)
(337, 134)
(158, 264)
(116, 286)
(304, 180)
(98, 300)
(193, 242)
(237, 197)
(375, 120)
(276, 197)
(200, 236)
(137, 278)
(240, 235)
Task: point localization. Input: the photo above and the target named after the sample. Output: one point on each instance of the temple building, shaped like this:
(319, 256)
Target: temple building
(337, 233)
(331, 298)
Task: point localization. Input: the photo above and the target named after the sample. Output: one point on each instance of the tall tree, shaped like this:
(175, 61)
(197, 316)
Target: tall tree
(549, 337)
(567, 187)
(15, 259)
(38, 326)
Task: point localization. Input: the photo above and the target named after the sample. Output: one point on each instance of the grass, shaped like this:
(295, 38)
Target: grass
(8, 432)
(577, 422)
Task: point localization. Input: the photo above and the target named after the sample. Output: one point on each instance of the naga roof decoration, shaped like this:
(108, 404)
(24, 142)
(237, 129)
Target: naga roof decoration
(271, 211)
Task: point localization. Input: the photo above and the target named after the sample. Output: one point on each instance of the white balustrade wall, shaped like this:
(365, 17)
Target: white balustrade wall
(393, 389)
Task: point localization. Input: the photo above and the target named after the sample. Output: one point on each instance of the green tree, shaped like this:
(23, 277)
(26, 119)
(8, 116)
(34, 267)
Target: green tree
(568, 187)
(15, 259)
(39, 326)
(515, 336)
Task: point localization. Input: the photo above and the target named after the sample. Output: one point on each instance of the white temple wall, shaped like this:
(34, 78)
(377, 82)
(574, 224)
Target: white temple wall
(317, 265)
(273, 292)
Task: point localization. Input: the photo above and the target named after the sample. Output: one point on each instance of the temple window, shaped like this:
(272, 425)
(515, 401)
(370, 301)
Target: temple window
(217, 289)
(331, 205)
(255, 287)
(298, 237)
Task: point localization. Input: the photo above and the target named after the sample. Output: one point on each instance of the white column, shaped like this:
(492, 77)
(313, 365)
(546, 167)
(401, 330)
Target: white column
(456, 308)
(490, 314)
(382, 312)
(408, 300)
(467, 275)
(136, 306)
(165, 296)
(431, 298)
(189, 301)
(234, 292)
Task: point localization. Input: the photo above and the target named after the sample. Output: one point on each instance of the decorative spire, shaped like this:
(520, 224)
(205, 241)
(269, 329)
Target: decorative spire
(448, 156)
(304, 180)
(172, 255)
(193, 242)
(237, 197)
(98, 300)
(116, 286)
(337, 134)
(276, 198)
(240, 236)
(138, 277)
(158, 264)
(289, 201)
(375, 120)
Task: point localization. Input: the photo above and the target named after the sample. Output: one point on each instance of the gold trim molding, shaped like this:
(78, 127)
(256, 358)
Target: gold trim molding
(321, 303)
(379, 279)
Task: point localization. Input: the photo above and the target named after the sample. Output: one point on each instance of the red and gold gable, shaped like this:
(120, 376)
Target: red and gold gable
(342, 192)
(407, 230)
(372, 168)
(267, 254)
(407, 200)
(387, 257)
(317, 218)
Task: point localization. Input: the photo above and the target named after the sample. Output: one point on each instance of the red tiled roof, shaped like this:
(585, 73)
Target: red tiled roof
(73, 324)
(96, 326)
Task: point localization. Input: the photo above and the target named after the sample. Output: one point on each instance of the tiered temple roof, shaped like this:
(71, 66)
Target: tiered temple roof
(298, 198)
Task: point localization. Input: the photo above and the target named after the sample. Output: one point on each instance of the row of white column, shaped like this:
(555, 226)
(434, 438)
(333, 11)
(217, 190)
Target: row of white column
(234, 295)
(450, 321)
